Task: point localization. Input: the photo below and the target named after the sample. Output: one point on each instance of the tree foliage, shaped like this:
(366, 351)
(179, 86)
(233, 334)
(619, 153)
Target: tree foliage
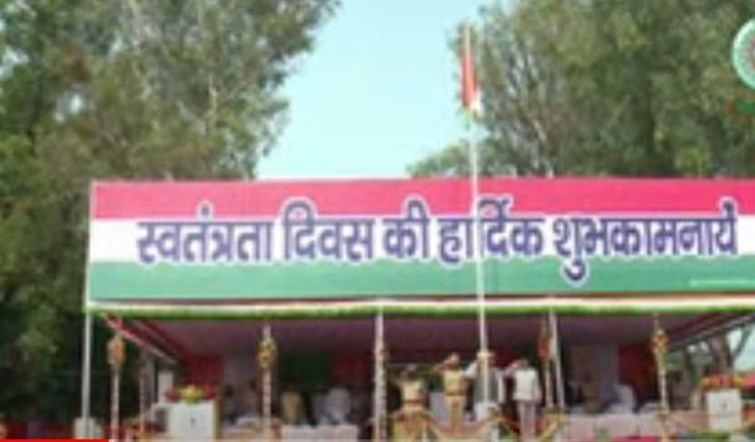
(600, 87)
(596, 87)
(117, 89)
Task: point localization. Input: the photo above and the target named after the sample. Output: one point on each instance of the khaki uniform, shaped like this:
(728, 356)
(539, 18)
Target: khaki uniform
(292, 408)
(412, 396)
(455, 390)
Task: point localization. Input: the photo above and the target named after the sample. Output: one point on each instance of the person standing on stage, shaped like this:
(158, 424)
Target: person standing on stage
(454, 387)
(496, 386)
(527, 395)
(413, 391)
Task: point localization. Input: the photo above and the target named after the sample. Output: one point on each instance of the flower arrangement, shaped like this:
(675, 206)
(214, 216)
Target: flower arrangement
(722, 381)
(267, 353)
(659, 344)
(191, 394)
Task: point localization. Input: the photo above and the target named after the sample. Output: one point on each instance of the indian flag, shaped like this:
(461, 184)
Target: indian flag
(470, 93)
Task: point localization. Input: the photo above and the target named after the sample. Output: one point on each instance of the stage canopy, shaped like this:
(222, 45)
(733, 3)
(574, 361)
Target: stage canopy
(410, 339)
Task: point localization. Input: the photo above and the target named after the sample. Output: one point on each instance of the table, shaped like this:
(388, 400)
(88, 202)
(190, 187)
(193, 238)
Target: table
(629, 425)
(193, 421)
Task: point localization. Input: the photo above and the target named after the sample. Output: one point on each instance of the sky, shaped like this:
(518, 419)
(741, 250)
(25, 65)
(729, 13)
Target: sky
(378, 92)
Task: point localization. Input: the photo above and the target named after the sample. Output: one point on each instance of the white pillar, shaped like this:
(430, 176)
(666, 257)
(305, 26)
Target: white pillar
(86, 377)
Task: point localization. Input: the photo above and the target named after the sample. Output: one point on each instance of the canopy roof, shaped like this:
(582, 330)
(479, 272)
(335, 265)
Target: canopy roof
(407, 337)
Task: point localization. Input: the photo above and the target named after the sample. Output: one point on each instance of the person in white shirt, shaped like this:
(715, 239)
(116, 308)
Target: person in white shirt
(496, 386)
(338, 405)
(527, 395)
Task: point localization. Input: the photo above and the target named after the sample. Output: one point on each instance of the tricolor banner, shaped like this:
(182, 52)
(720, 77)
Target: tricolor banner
(336, 240)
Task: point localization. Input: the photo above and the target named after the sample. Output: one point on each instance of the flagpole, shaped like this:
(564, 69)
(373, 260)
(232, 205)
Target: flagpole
(479, 268)
(479, 278)
(468, 93)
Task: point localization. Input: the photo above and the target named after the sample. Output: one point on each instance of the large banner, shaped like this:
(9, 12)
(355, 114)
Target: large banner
(394, 238)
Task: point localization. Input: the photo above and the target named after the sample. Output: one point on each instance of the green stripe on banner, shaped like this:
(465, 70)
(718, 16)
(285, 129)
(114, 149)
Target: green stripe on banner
(120, 281)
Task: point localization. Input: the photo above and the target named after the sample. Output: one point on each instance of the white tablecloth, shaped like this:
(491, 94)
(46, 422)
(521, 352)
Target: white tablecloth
(622, 425)
(342, 433)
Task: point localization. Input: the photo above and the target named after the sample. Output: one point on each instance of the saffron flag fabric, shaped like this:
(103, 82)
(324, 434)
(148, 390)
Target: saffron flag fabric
(469, 88)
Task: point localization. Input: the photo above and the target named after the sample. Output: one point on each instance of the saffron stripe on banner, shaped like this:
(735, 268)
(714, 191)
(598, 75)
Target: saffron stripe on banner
(131, 200)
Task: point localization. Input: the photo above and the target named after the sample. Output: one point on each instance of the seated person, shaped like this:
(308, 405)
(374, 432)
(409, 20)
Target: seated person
(591, 395)
(250, 405)
(292, 407)
(625, 401)
(361, 404)
(319, 410)
(230, 413)
(338, 405)
(679, 390)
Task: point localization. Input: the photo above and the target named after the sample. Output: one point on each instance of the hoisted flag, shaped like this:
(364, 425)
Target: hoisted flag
(469, 89)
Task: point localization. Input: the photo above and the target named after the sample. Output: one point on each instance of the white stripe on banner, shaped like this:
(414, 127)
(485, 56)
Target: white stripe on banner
(117, 241)
(113, 241)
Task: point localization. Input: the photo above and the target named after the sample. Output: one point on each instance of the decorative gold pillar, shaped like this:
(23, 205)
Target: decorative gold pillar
(659, 346)
(545, 347)
(116, 356)
(380, 411)
(266, 356)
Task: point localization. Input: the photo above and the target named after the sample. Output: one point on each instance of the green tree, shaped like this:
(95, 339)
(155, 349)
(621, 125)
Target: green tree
(600, 87)
(117, 89)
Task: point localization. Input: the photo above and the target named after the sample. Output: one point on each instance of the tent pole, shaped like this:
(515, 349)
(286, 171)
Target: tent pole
(557, 361)
(116, 358)
(142, 380)
(660, 349)
(86, 376)
(379, 430)
(546, 333)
